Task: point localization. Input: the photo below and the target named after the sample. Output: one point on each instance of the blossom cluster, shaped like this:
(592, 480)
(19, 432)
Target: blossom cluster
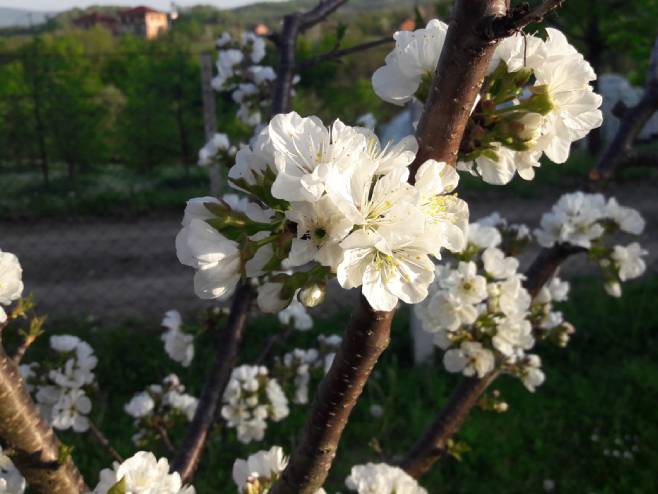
(536, 99)
(159, 407)
(239, 72)
(178, 344)
(11, 281)
(587, 221)
(141, 473)
(381, 478)
(218, 149)
(250, 398)
(61, 391)
(11, 480)
(332, 197)
(259, 471)
(299, 365)
(483, 317)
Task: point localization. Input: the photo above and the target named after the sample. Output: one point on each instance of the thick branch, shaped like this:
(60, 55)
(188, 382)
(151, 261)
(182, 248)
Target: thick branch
(519, 17)
(286, 42)
(432, 444)
(457, 81)
(545, 266)
(364, 341)
(228, 343)
(29, 441)
(338, 53)
(632, 122)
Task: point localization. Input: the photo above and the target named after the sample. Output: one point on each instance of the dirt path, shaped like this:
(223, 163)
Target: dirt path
(128, 269)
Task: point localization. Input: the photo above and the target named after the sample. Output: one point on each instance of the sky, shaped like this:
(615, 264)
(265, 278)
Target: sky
(55, 5)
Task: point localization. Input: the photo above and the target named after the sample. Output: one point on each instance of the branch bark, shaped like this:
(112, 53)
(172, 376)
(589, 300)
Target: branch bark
(457, 81)
(228, 344)
(632, 122)
(366, 338)
(29, 441)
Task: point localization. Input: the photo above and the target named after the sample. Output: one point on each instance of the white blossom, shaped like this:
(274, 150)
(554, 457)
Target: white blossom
(11, 480)
(296, 315)
(178, 345)
(628, 260)
(470, 359)
(143, 473)
(532, 373)
(250, 398)
(574, 219)
(140, 405)
(380, 478)
(11, 282)
(412, 61)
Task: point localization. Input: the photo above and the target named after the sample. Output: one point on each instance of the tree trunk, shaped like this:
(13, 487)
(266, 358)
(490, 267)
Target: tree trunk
(29, 441)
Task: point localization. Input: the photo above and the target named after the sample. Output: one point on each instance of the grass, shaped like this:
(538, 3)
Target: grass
(604, 385)
(105, 190)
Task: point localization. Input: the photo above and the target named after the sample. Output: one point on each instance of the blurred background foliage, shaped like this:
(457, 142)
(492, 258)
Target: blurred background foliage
(74, 102)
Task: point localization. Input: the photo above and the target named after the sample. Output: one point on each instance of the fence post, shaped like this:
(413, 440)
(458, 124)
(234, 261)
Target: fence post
(209, 117)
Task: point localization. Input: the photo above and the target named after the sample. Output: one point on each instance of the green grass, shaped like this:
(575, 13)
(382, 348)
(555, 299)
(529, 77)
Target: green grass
(604, 384)
(105, 190)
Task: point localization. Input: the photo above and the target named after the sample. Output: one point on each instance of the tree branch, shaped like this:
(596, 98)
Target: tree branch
(294, 24)
(432, 444)
(29, 441)
(228, 343)
(457, 81)
(366, 338)
(338, 53)
(632, 122)
(519, 17)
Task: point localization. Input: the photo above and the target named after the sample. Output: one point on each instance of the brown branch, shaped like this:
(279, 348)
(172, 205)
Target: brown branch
(29, 441)
(294, 24)
(457, 81)
(432, 444)
(228, 343)
(104, 442)
(519, 17)
(271, 343)
(338, 53)
(632, 122)
(366, 338)
(166, 440)
(22, 348)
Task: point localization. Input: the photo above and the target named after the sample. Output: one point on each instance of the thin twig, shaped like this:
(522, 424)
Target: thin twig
(338, 53)
(104, 441)
(22, 348)
(228, 343)
(164, 435)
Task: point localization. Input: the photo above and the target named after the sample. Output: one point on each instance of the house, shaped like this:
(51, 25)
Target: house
(96, 19)
(144, 21)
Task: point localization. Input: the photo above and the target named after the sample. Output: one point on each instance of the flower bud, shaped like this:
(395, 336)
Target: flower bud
(312, 294)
